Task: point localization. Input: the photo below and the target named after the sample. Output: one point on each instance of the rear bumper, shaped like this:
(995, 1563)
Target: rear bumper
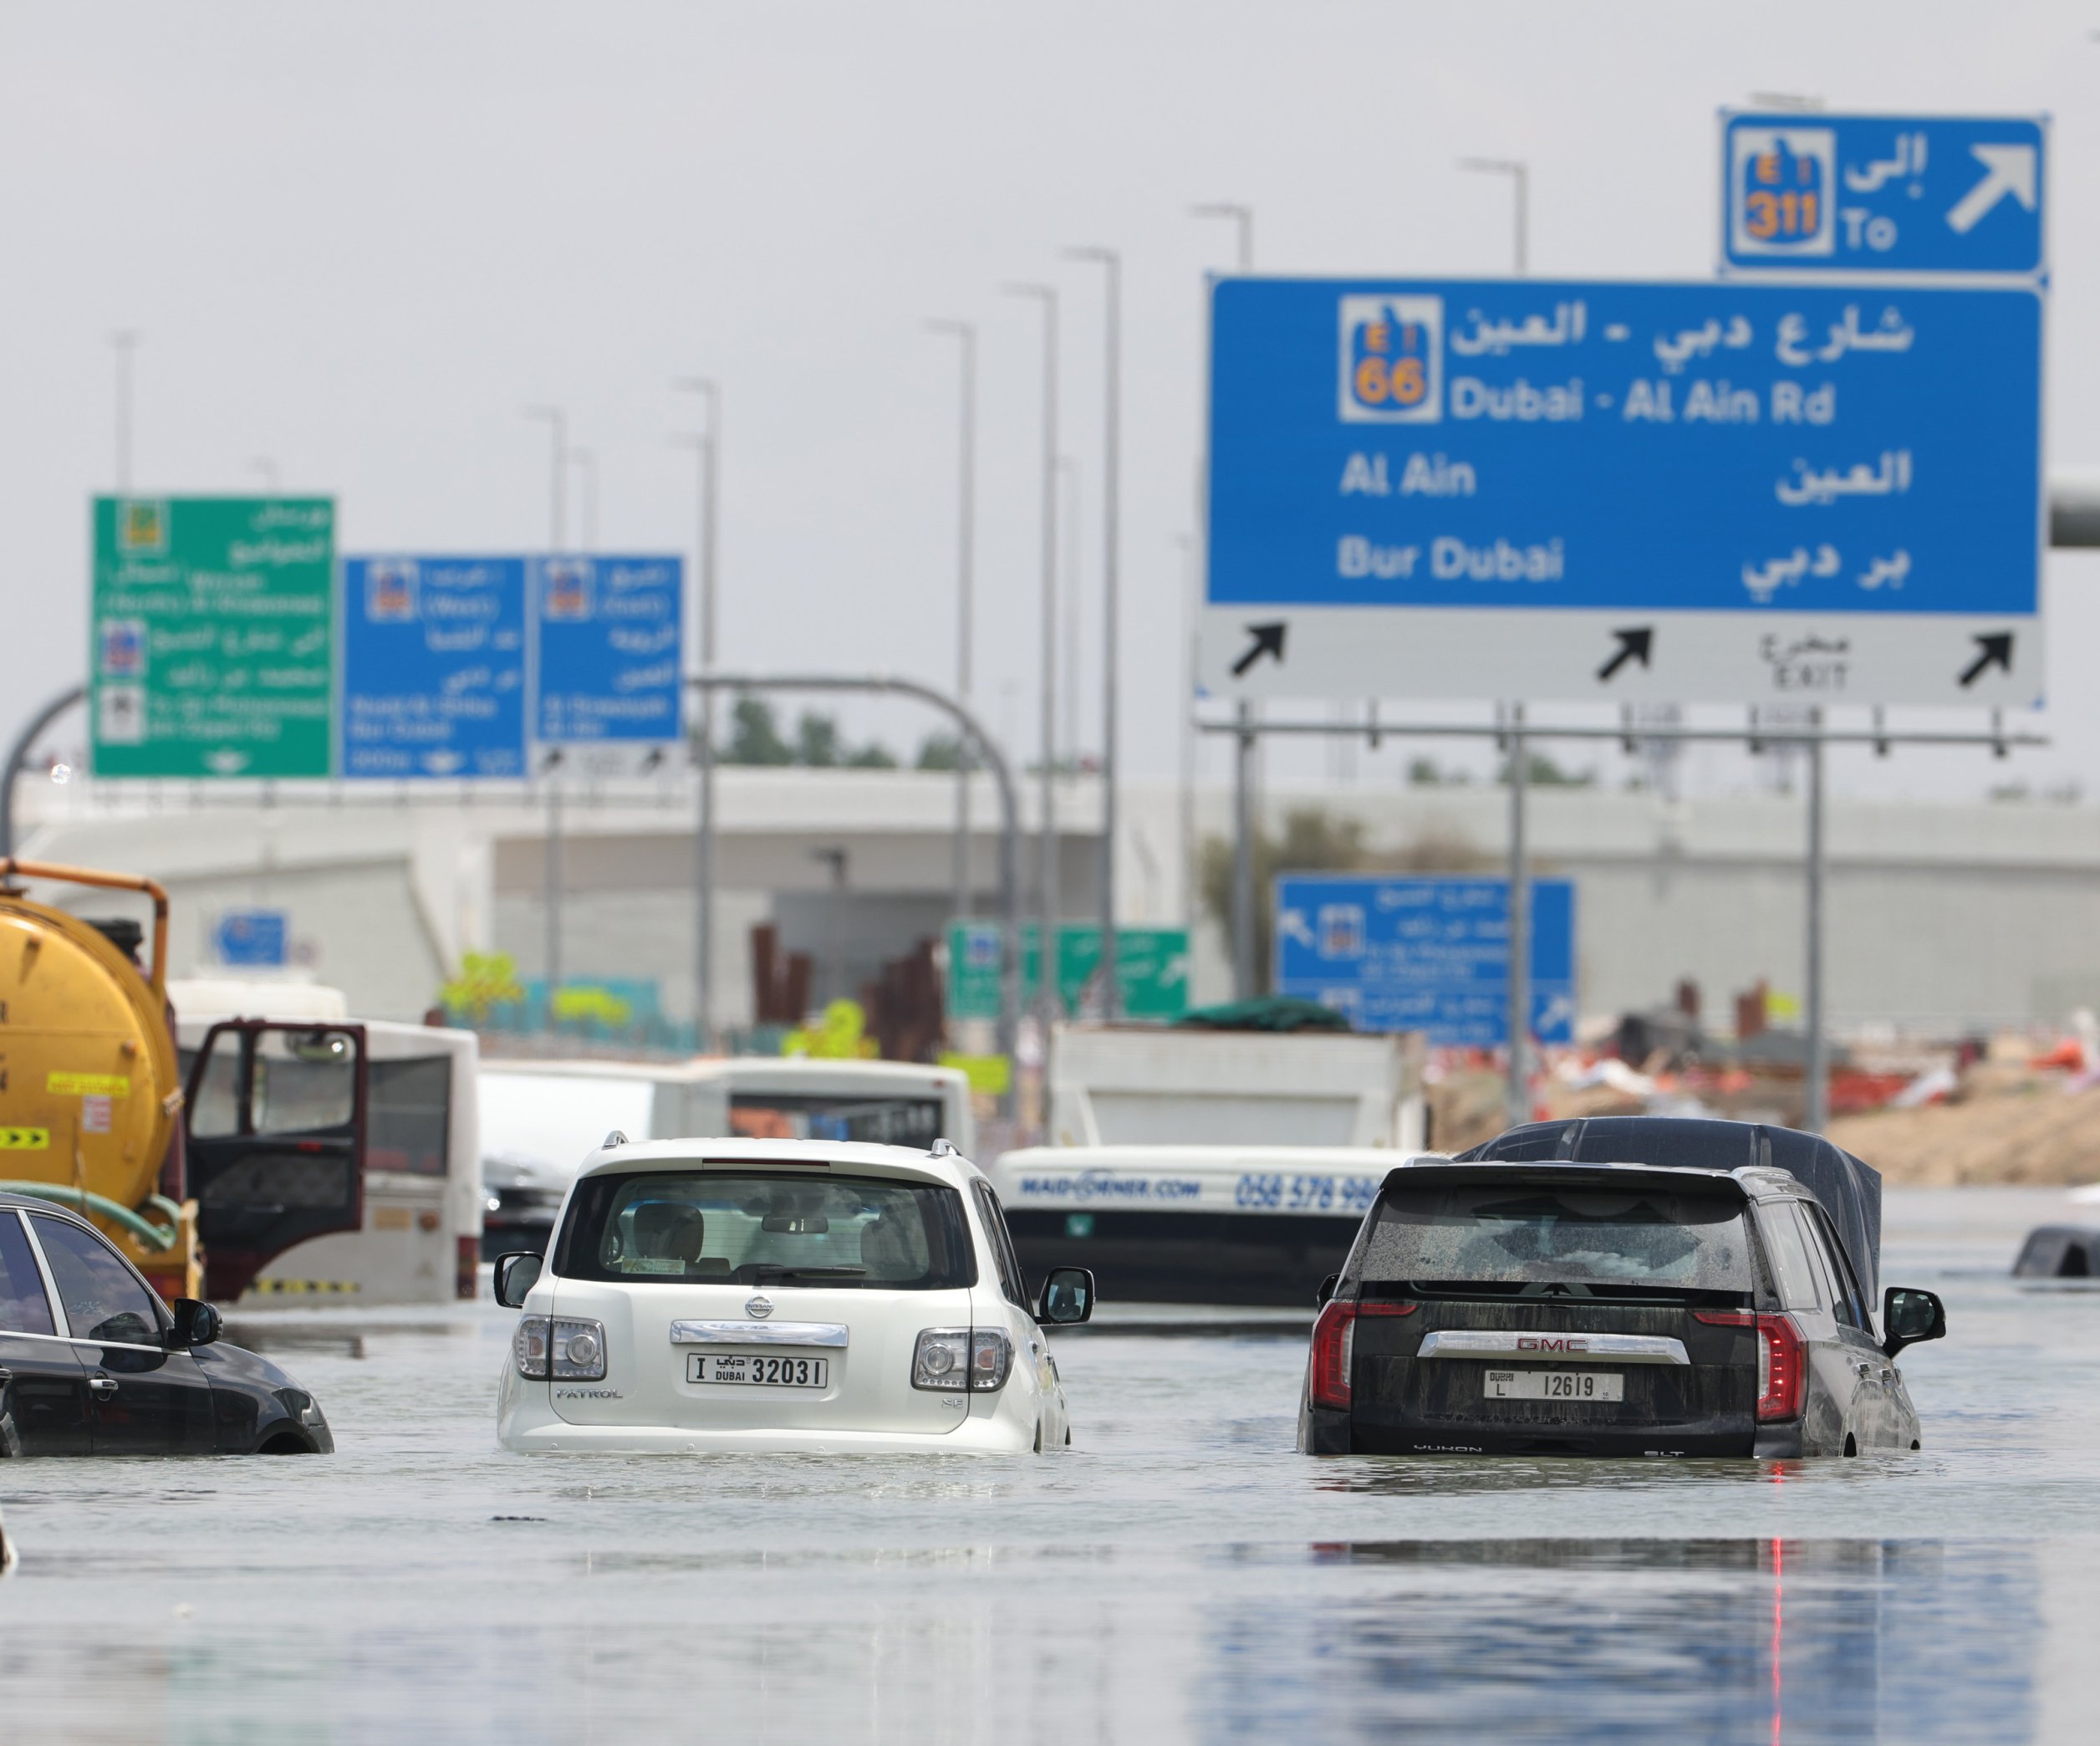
(1325, 1431)
(1002, 1424)
(998, 1436)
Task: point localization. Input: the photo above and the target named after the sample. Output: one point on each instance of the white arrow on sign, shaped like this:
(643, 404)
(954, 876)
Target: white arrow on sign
(2009, 170)
(1293, 925)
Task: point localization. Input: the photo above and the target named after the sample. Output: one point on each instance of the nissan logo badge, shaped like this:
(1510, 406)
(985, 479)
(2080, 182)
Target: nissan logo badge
(762, 1307)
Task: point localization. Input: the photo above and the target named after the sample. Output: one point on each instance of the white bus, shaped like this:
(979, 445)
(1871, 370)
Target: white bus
(334, 1159)
(540, 1120)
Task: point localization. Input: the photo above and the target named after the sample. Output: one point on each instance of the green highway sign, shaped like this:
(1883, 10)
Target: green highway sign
(1152, 968)
(214, 637)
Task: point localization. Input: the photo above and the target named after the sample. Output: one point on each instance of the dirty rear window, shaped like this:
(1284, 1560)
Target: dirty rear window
(1528, 1235)
(737, 1227)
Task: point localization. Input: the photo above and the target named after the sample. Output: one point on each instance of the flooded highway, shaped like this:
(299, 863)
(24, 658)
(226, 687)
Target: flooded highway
(1183, 1575)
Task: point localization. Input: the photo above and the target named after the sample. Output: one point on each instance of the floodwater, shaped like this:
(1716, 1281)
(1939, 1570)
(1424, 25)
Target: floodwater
(1181, 1576)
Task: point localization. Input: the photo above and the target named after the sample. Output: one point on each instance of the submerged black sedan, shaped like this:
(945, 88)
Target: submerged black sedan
(93, 1363)
(1554, 1305)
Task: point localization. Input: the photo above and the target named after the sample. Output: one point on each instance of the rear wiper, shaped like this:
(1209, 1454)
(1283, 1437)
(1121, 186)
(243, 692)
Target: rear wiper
(766, 1272)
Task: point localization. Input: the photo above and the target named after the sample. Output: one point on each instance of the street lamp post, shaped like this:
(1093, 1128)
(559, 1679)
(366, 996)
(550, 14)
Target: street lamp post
(585, 461)
(558, 421)
(1047, 948)
(1243, 806)
(1518, 1101)
(1111, 548)
(709, 446)
(125, 341)
(1519, 175)
(1070, 526)
(965, 332)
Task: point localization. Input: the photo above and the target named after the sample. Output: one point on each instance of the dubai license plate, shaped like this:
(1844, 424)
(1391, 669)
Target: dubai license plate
(1568, 1384)
(765, 1369)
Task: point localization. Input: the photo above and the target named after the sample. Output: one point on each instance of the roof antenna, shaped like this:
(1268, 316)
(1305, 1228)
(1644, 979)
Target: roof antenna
(613, 1138)
(941, 1149)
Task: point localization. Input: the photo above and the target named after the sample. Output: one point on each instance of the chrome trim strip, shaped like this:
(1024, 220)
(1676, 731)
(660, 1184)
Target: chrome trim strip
(1538, 1348)
(757, 1333)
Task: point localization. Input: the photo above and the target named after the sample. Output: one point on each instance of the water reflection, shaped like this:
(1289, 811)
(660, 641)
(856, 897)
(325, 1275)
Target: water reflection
(1461, 1475)
(1714, 1639)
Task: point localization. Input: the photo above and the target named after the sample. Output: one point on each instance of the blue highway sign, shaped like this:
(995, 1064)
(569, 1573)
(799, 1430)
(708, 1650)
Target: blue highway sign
(251, 938)
(1422, 954)
(1856, 194)
(610, 635)
(1692, 493)
(434, 667)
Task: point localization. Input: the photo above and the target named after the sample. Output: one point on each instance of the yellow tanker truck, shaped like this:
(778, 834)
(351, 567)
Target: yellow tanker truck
(90, 1087)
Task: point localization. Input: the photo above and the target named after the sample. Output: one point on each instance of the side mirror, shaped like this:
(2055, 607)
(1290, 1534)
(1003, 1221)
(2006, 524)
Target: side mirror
(1068, 1297)
(197, 1324)
(1326, 1290)
(1909, 1316)
(515, 1275)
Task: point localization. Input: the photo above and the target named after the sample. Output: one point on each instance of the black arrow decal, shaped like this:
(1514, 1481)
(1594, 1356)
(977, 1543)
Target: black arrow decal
(1268, 640)
(1997, 652)
(1633, 646)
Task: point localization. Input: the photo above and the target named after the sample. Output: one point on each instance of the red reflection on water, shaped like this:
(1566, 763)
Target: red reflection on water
(1778, 1632)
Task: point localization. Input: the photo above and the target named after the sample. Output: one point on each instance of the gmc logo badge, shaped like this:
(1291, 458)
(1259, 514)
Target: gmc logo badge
(1551, 1343)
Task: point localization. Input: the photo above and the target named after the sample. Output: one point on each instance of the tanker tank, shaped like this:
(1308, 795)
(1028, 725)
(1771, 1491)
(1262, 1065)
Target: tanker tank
(90, 1088)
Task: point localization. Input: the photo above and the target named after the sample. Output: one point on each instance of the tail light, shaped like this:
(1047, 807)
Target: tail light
(1782, 1362)
(566, 1348)
(1334, 1348)
(973, 1359)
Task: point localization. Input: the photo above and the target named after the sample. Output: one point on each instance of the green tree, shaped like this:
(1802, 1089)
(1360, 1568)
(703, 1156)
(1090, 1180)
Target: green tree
(873, 756)
(940, 751)
(754, 735)
(1541, 771)
(816, 742)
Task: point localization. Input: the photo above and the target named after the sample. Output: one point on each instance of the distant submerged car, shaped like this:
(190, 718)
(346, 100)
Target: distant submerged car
(1569, 1290)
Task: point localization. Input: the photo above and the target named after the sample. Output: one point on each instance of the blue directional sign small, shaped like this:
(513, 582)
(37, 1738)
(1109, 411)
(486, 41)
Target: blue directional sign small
(434, 667)
(1426, 954)
(610, 635)
(1883, 194)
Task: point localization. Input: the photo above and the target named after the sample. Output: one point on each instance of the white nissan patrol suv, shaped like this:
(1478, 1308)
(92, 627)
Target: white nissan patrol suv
(782, 1295)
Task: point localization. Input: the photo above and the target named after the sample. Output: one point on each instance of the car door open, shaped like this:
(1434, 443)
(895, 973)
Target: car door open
(277, 1115)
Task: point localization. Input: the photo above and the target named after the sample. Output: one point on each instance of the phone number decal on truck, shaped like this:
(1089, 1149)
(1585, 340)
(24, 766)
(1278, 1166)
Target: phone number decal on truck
(1255, 1192)
(1306, 1193)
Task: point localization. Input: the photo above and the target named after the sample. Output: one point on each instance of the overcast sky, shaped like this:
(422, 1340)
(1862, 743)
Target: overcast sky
(356, 240)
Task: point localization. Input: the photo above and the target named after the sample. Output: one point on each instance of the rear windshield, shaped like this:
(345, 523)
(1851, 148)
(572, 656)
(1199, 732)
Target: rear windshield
(771, 1229)
(1527, 1235)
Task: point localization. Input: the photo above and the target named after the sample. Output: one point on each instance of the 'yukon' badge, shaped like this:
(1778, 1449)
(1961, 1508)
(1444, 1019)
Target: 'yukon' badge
(762, 1307)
